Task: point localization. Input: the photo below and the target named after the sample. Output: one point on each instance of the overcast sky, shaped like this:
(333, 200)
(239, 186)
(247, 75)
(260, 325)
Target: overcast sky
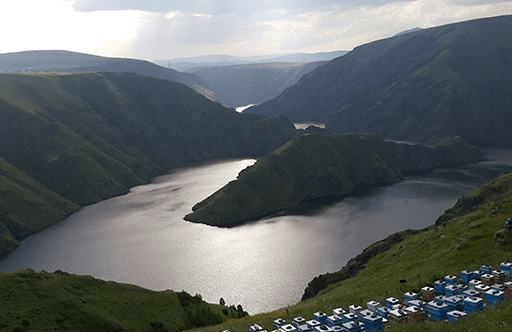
(163, 29)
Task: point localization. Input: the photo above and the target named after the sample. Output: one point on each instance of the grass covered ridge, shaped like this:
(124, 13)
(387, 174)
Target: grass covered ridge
(464, 243)
(42, 301)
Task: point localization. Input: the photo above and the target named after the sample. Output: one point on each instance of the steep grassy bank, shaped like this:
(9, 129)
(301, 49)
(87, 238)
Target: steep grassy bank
(464, 242)
(314, 166)
(42, 301)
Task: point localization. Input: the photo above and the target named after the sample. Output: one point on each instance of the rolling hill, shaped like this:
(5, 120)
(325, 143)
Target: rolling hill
(315, 166)
(452, 80)
(72, 62)
(59, 301)
(74, 139)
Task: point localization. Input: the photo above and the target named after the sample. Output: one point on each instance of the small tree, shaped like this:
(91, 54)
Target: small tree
(222, 302)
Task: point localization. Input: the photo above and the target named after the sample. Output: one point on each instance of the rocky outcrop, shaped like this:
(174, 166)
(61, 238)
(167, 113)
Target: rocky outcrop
(314, 166)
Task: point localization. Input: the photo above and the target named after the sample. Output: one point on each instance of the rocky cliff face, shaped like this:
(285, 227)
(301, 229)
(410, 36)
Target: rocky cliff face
(314, 166)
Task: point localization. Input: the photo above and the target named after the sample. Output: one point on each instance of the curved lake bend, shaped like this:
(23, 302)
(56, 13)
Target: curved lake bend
(141, 238)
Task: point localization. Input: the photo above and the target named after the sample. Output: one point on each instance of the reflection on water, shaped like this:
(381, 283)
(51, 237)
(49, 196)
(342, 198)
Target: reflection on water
(141, 238)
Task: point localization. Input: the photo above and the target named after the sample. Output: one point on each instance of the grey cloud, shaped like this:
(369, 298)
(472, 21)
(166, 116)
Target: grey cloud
(218, 7)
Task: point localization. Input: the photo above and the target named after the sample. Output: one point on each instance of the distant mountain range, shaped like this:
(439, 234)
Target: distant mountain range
(445, 81)
(72, 62)
(255, 83)
(68, 140)
(192, 64)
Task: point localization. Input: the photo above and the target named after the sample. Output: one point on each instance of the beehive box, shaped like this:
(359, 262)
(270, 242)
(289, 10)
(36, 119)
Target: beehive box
(391, 301)
(320, 316)
(450, 280)
(334, 320)
(409, 296)
(438, 310)
(339, 312)
(508, 290)
(428, 293)
(415, 314)
(487, 279)
(494, 297)
(473, 304)
(466, 276)
(439, 286)
(473, 283)
(373, 305)
(454, 316)
(397, 316)
(486, 269)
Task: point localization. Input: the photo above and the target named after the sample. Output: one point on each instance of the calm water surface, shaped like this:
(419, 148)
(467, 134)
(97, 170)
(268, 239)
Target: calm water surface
(141, 238)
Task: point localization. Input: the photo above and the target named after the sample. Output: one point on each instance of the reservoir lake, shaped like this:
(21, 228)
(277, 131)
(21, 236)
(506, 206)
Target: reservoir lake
(141, 238)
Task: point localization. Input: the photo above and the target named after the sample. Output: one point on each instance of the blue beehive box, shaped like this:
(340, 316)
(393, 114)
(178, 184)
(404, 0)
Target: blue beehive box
(304, 328)
(279, 322)
(334, 320)
(452, 290)
(337, 329)
(350, 317)
(477, 274)
(454, 316)
(373, 305)
(506, 268)
(486, 269)
(438, 310)
(383, 312)
(450, 280)
(339, 312)
(409, 296)
(351, 327)
(440, 299)
(320, 316)
(313, 323)
(439, 286)
(420, 304)
(494, 297)
(323, 328)
(372, 321)
(473, 283)
(391, 301)
(473, 304)
(288, 328)
(297, 321)
(355, 309)
(466, 276)
(455, 302)
(499, 287)
(470, 292)
(255, 328)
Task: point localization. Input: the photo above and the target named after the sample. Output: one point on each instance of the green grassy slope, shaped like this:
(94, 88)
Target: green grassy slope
(87, 137)
(464, 243)
(42, 301)
(314, 166)
(450, 80)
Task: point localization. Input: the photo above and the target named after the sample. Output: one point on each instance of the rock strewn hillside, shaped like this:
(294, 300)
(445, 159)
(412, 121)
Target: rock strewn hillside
(72, 140)
(314, 166)
(453, 80)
